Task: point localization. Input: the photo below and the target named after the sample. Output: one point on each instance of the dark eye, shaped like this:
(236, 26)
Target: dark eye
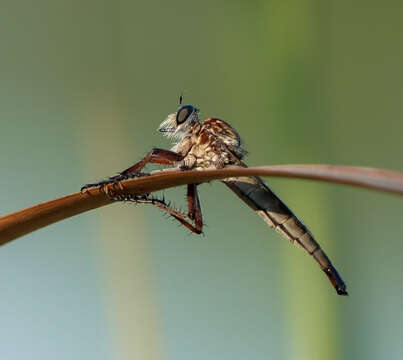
(183, 113)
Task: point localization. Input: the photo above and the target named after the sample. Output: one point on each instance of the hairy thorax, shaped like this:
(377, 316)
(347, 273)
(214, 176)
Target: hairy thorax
(211, 144)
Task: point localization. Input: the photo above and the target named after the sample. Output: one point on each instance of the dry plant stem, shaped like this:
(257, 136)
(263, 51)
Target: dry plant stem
(35, 217)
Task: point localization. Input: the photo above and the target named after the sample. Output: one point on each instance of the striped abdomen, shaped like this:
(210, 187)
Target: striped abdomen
(260, 198)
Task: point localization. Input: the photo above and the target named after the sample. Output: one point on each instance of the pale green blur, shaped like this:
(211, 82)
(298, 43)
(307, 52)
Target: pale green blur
(84, 86)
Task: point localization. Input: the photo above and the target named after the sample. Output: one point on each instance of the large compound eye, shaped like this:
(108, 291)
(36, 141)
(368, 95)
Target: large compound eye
(183, 113)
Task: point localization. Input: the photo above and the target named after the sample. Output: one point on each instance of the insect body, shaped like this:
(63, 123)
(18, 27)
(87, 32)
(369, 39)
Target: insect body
(213, 143)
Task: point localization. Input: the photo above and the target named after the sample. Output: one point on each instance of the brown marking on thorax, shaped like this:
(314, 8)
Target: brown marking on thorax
(212, 144)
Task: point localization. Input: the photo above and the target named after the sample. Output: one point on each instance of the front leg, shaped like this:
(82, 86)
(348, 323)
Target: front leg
(188, 162)
(156, 156)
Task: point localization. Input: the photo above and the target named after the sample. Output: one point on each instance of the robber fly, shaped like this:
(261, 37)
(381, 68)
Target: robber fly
(214, 144)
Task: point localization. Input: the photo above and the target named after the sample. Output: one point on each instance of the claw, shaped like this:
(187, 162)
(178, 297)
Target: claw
(86, 187)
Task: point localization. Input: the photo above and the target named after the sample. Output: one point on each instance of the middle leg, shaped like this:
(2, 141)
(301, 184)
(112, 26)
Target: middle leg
(192, 221)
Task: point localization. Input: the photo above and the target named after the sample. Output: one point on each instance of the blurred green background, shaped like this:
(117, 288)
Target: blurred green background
(84, 85)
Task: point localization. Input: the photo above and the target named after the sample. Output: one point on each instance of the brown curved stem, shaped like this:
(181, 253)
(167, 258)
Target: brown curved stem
(35, 217)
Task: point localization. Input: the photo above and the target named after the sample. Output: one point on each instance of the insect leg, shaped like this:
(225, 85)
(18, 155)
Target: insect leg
(194, 209)
(156, 156)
